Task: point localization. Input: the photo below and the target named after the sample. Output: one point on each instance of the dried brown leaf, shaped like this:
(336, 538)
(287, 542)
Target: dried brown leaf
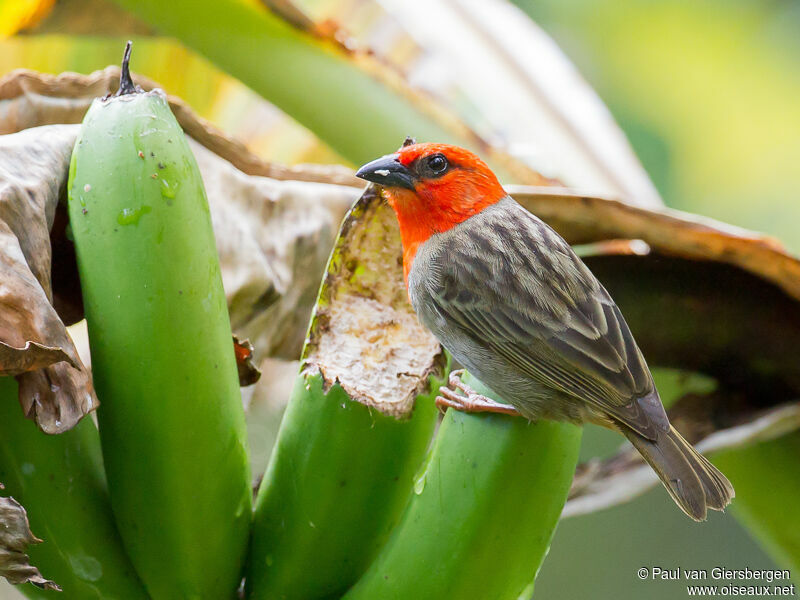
(15, 537)
(568, 127)
(57, 397)
(248, 371)
(583, 218)
(273, 238)
(55, 389)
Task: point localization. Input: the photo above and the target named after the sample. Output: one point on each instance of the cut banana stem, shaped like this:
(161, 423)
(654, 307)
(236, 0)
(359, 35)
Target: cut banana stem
(358, 424)
(485, 507)
(59, 479)
(171, 419)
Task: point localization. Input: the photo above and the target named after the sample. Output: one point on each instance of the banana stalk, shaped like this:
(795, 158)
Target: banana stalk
(484, 511)
(60, 481)
(357, 426)
(171, 419)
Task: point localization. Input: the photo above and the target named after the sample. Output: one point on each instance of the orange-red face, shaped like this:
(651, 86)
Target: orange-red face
(444, 183)
(432, 188)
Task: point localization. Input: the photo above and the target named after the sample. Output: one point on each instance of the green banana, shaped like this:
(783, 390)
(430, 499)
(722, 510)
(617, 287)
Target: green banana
(339, 480)
(357, 427)
(171, 420)
(60, 481)
(485, 509)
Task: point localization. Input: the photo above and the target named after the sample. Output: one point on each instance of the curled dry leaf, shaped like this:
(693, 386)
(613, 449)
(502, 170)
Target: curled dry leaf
(15, 537)
(55, 389)
(585, 218)
(273, 238)
(364, 334)
(248, 371)
(57, 397)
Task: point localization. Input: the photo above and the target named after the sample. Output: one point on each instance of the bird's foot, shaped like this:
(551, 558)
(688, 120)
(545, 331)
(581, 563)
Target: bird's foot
(463, 398)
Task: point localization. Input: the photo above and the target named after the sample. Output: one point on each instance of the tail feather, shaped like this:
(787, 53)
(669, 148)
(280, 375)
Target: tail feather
(692, 481)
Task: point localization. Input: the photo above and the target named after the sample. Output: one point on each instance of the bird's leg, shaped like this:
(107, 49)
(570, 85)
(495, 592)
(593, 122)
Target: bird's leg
(470, 401)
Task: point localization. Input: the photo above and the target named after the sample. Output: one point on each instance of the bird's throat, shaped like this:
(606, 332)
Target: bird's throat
(421, 216)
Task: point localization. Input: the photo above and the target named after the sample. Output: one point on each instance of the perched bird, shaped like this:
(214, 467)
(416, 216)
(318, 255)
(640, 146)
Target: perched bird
(510, 300)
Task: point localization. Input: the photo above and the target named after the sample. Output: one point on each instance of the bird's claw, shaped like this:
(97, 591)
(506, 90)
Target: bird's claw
(454, 381)
(469, 401)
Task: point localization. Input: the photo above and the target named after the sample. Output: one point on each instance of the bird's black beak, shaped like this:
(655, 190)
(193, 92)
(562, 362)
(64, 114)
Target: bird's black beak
(387, 171)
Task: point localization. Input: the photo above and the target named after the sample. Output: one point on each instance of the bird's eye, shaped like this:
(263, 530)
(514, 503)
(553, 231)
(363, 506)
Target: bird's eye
(437, 164)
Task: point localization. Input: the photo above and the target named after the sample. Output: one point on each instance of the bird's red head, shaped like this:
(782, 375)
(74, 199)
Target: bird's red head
(432, 188)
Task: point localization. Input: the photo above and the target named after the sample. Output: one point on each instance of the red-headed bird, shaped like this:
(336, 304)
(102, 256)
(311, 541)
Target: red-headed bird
(510, 300)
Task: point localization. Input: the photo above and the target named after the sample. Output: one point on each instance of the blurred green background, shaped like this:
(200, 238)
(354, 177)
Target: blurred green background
(708, 93)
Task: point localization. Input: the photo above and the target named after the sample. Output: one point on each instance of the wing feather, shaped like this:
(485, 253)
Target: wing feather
(542, 310)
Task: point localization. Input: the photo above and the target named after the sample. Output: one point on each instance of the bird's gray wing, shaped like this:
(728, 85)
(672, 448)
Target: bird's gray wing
(515, 286)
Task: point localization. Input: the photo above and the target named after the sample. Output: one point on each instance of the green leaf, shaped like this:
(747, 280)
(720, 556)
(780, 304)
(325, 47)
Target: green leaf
(313, 80)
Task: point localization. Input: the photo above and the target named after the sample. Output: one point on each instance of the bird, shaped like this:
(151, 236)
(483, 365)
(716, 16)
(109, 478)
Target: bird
(510, 300)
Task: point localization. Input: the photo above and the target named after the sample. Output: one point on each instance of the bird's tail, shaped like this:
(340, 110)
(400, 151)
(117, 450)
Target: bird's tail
(692, 481)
